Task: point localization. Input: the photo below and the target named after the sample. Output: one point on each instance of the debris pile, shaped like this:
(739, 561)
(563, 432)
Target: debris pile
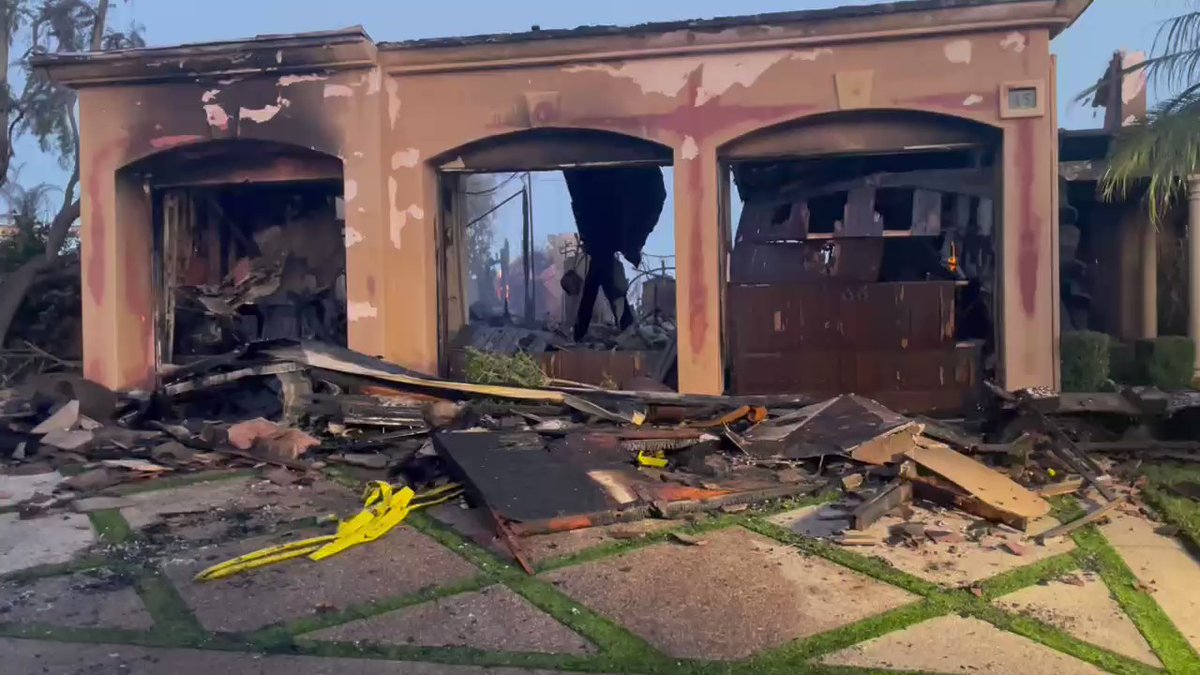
(559, 458)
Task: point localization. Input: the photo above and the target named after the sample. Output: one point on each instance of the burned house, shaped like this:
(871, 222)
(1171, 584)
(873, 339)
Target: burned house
(897, 163)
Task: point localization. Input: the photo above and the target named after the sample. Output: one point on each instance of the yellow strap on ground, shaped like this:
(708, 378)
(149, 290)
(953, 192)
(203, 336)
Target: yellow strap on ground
(384, 507)
(392, 508)
(264, 557)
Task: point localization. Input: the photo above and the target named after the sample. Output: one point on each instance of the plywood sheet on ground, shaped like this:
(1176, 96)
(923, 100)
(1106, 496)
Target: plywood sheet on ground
(986, 484)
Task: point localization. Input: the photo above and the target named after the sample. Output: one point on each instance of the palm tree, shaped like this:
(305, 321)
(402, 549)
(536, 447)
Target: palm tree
(1164, 151)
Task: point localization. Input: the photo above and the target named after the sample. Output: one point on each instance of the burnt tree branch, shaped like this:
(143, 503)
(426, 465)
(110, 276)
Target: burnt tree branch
(16, 285)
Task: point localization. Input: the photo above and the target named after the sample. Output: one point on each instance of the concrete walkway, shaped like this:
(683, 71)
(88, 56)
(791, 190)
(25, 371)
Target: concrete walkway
(111, 591)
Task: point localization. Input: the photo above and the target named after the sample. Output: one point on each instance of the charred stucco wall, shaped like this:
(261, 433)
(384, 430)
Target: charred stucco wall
(695, 104)
(333, 113)
(393, 121)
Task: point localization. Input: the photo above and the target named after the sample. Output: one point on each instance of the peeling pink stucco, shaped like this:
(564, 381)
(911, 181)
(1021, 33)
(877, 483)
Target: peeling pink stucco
(338, 91)
(407, 158)
(720, 74)
(690, 150)
(265, 113)
(1016, 41)
(216, 116)
(662, 76)
(958, 51)
(393, 93)
(812, 54)
(356, 311)
(289, 80)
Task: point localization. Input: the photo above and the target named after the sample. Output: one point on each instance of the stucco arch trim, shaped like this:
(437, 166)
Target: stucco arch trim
(858, 131)
(549, 148)
(234, 161)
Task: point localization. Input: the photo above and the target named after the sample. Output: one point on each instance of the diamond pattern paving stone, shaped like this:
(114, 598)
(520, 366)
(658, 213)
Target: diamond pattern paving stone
(474, 524)
(493, 619)
(951, 564)
(93, 599)
(56, 658)
(953, 644)
(47, 540)
(402, 563)
(1087, 612)
(735, 595)
(231, 508)
(1170, 573)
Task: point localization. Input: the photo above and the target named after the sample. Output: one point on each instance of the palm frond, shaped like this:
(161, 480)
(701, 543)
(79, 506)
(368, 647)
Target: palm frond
(1161, 154)
(1175, 56)
(1177, 52)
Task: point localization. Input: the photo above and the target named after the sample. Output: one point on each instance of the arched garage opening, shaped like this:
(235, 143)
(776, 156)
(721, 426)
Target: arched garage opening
(247, 245)
(559, 243)
(864, 258)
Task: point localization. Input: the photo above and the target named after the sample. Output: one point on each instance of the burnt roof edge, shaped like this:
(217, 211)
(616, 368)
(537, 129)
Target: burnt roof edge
(916, 18)
(343, 49)
(723, 23)
(353, 48)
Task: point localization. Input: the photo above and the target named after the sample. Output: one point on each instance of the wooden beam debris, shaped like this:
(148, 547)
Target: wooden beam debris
(896, 493)
(1092, 516)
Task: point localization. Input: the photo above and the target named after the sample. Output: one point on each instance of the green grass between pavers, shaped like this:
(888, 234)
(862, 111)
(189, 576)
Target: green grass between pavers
(111, 526)
(1057, 639)
(622, 651)
(288, 632)
(90, 562)
(119, 636)
(613, 640)
(872, 567)
(709, 522)
(789, 658)
(1093, 552)
(172, 618)
(1168, 643)
(1179, 511)
(620, 546)
(456, 655)
(485, 560)
(1023, 577)
(1096, 554)
(171, 614)
(168, 482)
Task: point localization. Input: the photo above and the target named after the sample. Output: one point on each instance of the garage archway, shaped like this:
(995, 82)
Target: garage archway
(247, 244)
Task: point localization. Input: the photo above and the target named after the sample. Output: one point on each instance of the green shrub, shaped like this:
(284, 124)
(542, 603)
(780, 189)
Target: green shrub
(1122, 366)
(1166, 362)
(517, 370)
(1084, 360)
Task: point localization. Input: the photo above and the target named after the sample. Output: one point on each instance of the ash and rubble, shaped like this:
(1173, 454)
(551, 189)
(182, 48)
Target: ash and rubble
(545, 460)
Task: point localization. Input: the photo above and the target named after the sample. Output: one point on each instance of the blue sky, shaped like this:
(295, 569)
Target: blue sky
(1082, 51)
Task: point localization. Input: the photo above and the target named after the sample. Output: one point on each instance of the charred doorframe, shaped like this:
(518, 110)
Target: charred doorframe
(542, 149)
(852, 137)
(216, 164)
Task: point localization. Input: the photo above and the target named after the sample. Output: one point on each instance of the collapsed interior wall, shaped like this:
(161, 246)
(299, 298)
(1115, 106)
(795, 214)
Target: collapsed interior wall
(249, 262)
